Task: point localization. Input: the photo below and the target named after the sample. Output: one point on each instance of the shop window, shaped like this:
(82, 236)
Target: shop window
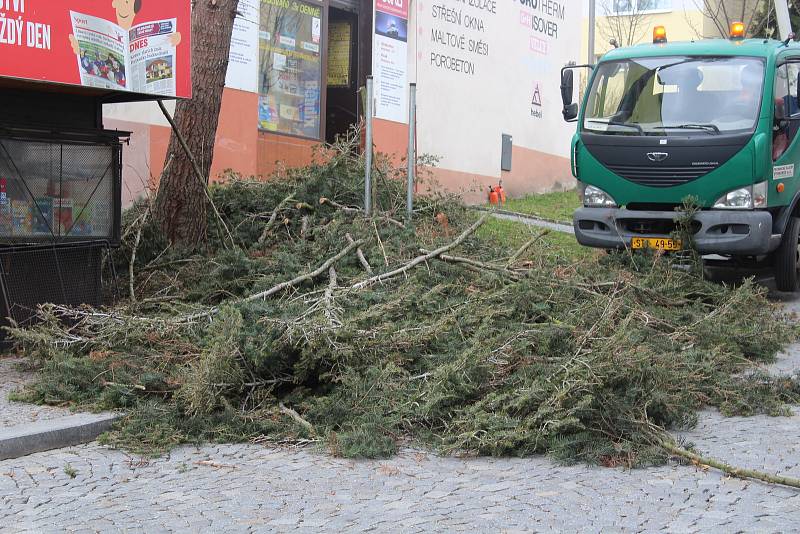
(630, 7)
(54, 191)
(290, 68)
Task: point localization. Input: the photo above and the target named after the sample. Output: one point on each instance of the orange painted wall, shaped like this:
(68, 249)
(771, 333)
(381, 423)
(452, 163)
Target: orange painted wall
(276, 151)
(237, 140)
(241, 147)
(236, 144)
(390, 138)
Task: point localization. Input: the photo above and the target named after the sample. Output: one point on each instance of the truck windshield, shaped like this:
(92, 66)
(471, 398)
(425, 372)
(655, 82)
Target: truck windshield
(675, 96)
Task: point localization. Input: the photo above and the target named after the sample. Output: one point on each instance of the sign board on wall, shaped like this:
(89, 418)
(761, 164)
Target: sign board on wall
(498, 62)
(390, 59)
(107, 44)
(339, 33)
(243, 57)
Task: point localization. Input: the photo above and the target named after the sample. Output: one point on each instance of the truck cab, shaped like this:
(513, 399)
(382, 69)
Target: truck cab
(715, 121)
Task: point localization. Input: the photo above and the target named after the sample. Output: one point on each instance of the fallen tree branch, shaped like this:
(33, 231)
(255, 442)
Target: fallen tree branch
(131, 273)
(475, 265)
(330, 312)
(350, 209)
(380, 243)
(141, 222)
(308, 276)
(425, 257)
(331, 283)
(523, 248)
(131, 386)
(360, 255)
(283, 285)
(274, 217)
(729, 469)
(342, 207)
(297, 418)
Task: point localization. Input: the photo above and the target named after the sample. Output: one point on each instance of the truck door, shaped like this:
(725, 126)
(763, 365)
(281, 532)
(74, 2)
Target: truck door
(786, 123)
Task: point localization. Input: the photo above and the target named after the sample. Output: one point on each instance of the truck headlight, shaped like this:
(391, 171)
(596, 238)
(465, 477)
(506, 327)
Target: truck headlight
(594, 197)
(744, 198)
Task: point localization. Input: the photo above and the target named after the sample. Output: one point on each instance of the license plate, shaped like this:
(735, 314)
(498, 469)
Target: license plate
(656, 243)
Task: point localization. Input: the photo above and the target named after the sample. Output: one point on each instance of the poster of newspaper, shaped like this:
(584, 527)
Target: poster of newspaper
(141, 59)
(390, 59)
(141, 46)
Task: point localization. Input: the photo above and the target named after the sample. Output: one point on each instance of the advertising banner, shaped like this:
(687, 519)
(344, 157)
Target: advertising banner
(390, 59)
(290, 67)
(242, 71)
(139, 46)
(339, 35)
(499, 64)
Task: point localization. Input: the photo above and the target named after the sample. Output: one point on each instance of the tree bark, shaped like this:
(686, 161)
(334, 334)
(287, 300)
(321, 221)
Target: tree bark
(181, 202)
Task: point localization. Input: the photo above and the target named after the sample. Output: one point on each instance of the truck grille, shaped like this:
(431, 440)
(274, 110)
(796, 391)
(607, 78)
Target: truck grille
(661, 176)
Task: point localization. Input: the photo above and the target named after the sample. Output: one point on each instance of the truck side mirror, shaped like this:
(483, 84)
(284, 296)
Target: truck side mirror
(570, 112)
(567, 86)
(571, 109)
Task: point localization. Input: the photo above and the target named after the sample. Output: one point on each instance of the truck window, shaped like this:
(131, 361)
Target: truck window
(612, 88)
(684, 96)
(786, 103)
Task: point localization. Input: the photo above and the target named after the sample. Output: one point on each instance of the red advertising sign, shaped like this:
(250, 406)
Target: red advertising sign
(398, 8)
(139, 46)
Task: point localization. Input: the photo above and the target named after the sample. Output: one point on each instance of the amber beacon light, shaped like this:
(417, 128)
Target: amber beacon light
(659, 34)
(737, 30)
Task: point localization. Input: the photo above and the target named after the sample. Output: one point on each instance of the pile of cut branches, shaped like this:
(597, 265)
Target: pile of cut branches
(361, 333)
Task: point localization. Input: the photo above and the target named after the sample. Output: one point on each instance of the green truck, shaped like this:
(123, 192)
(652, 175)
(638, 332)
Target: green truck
(716, 120)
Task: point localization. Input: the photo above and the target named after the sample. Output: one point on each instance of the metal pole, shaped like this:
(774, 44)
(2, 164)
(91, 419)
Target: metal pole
(592, 24)
(784, 22)
(368, 151)
(412, 153)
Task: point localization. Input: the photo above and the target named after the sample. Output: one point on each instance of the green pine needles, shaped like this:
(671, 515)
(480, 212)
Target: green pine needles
(586, 360)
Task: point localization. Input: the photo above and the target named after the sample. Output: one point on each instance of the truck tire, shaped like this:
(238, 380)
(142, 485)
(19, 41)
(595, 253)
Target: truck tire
(787, 258)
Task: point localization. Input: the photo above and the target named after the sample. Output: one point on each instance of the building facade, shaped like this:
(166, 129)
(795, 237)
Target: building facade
(486, 72)
(631, 22)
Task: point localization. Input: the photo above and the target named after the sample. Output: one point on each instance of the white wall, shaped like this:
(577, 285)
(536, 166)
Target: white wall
(463, 114)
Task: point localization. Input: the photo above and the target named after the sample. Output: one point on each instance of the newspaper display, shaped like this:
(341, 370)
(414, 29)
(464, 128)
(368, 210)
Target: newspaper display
(141, 60)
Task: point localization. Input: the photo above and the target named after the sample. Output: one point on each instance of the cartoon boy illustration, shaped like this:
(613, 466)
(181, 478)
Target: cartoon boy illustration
(126, 13)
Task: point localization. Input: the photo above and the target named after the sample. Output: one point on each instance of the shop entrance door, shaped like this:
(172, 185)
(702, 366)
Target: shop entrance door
(342, 109)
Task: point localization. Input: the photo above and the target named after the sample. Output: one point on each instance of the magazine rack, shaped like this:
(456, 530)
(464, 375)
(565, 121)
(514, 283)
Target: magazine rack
(59, 188)
(60, 212)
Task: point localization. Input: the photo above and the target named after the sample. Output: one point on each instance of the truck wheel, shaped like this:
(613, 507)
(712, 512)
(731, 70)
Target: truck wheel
(787, 258)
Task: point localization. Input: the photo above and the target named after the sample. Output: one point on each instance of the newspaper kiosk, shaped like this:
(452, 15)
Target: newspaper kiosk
(60, 170)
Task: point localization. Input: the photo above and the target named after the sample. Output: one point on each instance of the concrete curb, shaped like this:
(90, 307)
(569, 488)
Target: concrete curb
(533, 221)
(530, 220)
(21, 440)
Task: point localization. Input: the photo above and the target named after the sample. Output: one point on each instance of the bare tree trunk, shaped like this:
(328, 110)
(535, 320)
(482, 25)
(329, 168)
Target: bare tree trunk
(626, 28)
(180, 206)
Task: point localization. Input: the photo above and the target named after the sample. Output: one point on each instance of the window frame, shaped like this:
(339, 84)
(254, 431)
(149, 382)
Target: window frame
(323, 5)
(631, 12)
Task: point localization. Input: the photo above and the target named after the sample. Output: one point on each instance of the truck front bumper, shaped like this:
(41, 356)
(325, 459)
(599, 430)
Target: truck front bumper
(740, 233)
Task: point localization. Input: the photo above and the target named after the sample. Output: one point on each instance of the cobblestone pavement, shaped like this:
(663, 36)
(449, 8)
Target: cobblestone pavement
(14, 413)
(252, 488)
